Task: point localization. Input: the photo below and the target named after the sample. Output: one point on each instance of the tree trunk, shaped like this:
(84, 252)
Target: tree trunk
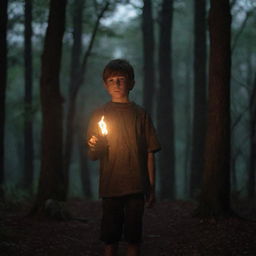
(52, 176)
(215, 197)
(252, 170)
(165, 112)
(85, 172)
(148, 56)
(74, 74)
(28, 122)
(3, 84)
(188, 118)
(75, 85)
(199, 109)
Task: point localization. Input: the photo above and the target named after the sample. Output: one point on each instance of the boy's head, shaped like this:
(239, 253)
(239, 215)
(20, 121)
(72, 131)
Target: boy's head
(119, 67)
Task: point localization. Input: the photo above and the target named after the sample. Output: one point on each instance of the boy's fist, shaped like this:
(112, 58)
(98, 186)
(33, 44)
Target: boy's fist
(97, 144)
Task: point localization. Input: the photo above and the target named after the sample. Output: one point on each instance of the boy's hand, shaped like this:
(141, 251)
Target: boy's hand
(97, 144)
(151, 198)
(92, 143)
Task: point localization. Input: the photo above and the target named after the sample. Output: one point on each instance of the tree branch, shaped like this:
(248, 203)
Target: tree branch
(95, 29)
(240, 31)
(81, 74)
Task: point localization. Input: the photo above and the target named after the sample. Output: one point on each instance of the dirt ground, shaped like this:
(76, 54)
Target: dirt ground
(169, 229)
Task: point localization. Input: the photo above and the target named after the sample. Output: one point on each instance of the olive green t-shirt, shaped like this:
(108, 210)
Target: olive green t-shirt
(131, 135)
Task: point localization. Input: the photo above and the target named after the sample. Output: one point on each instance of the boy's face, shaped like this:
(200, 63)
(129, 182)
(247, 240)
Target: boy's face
(118, 86)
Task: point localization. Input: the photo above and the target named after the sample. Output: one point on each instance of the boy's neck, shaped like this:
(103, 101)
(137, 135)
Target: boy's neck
(121, 100)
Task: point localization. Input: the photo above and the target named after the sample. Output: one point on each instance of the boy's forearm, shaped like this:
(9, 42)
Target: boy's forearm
(93, 155)
(151, 169)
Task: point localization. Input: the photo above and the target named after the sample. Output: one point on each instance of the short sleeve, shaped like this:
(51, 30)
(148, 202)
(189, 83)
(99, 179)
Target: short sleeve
(153, 144)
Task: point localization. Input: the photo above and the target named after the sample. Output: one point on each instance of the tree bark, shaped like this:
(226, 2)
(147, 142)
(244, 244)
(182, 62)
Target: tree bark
(165, 112)
(215, 197)
(51, 181)
(199, 109)
(148, 56)
(3, 84)
(28, 122)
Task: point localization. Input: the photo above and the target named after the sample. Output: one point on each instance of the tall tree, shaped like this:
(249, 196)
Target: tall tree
(28, 122)
(78, 9)
(199, 109)
(77, 17)
(51, 176)
(148, 56)
(77, 79)
(165, 104)
(188, 117)
(215, 197)
(3, 83)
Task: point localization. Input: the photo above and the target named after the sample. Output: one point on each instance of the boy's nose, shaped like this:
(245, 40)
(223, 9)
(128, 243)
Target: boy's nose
(117, 83)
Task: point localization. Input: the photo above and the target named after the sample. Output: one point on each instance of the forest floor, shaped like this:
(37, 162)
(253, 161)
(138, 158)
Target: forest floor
(169, 229)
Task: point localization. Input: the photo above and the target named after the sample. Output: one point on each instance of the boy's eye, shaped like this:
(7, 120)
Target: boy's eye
(117, 80)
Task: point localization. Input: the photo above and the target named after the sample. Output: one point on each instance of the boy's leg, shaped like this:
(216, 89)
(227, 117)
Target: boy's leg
(111, 224)
(111, 249)
(134, 209)
(133, 249)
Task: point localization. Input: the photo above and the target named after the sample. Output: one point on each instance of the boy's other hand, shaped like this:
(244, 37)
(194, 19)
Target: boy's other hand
(150, 199)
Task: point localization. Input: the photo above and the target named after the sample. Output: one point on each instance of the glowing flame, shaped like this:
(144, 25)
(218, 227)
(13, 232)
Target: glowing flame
(103, 126)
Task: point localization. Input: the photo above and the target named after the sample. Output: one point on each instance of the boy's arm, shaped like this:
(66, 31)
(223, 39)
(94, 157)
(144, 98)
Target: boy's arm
(151, 173)
(93, 155)
(96, 148)
(151, 169)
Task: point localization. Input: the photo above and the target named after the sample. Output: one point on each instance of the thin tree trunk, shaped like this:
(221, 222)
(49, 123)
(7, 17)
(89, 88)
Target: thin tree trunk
(74, 73)
(78, 8)
(85, 172)
(51, 182)
(3, 84)
(252, 170)
(215, 197)
(165, 112)
(76, 84)
(188, 118)
(233, 174)
(28, 122)
(148, 56)
(199, 109)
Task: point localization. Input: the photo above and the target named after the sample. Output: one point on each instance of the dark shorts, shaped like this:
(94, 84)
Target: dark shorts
(122, 215)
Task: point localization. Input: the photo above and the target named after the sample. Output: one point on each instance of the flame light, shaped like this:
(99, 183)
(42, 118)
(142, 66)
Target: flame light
(103, 126)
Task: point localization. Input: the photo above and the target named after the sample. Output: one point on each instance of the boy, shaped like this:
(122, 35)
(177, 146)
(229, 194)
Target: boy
(126, 155)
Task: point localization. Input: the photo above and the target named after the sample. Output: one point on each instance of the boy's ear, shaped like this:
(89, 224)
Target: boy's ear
(132, 83)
